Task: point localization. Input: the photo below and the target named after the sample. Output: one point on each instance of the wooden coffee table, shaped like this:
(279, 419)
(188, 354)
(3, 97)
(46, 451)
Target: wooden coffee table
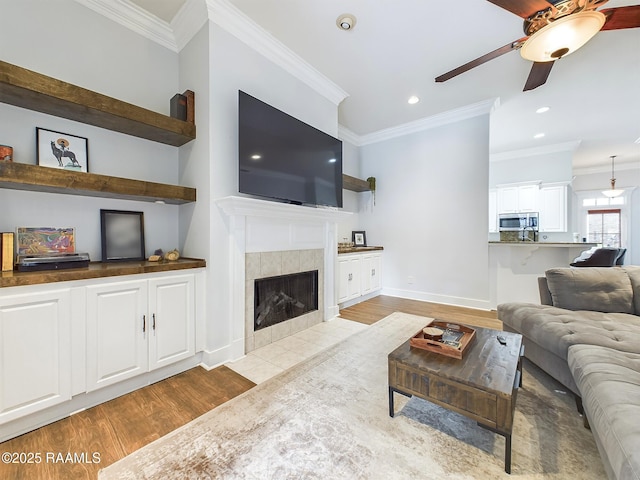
(483, 385)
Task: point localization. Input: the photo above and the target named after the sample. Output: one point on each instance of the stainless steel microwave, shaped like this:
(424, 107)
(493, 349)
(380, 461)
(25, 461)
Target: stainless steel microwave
(514, 222)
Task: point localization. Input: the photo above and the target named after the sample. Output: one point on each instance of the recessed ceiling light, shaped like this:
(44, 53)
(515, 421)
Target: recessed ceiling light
(346, 21)
(413, 100)
(542, 109)
(538, 135)
(256, 157)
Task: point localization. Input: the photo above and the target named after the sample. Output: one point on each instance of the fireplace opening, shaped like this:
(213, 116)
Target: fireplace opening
(284, 297)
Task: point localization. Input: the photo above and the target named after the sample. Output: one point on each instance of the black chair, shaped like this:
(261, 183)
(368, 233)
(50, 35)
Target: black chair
(602, 257)
(620, 258)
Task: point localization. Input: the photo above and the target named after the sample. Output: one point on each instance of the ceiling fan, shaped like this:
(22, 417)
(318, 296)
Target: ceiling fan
(554, 29)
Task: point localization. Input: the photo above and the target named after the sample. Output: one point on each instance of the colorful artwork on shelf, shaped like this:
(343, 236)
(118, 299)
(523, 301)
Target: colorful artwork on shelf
(43, 240)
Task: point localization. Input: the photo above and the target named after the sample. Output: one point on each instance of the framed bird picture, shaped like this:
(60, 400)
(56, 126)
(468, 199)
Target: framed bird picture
(62, 150)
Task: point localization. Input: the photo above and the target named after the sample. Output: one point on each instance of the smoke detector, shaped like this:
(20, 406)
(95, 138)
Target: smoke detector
(346, 21)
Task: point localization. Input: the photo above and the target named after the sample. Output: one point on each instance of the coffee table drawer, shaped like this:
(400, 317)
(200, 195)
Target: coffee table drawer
(480, 404)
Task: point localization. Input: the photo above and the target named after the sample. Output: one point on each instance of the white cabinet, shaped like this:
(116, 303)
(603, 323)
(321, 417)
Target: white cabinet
(553, 208)
(349, 268)
(35, 352)
(171, 305)
(359, 274)
(516, 199)
(137, 326)
(371, 273)
(117, 329)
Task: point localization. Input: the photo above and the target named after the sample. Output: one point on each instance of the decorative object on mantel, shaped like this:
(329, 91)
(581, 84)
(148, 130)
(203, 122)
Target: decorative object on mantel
(122, 234)
(173, 255)
(62, 150)
(46, 240)
(178, 107)
(372, 186)
(157, 256)
(359, 239)
(6, 153)
(613, 192)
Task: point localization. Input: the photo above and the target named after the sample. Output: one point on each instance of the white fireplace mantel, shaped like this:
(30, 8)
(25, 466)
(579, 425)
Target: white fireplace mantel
(263, 208)
(264, 226)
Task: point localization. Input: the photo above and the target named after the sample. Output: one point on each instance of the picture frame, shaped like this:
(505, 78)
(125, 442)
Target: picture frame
(6, 153)
(359, 238)
(62, 150)
(122, 235)
(45, 240)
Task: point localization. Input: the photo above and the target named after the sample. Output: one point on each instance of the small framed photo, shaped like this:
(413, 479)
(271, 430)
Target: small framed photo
(62, 150)
(45, 240)
(122, 234)
(359, 239)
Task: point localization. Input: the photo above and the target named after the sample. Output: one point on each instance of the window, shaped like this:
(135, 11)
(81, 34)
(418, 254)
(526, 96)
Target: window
(604, 226)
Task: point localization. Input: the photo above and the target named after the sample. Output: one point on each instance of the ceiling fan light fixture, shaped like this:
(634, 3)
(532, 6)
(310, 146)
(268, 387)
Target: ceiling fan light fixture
(562, 37)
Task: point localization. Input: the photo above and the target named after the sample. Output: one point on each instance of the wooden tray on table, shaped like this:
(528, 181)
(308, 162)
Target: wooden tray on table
(453, 343)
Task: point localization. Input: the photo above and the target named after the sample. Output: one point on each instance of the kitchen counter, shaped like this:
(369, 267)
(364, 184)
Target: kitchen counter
(514, 267)
(583, 245)
(358, 249)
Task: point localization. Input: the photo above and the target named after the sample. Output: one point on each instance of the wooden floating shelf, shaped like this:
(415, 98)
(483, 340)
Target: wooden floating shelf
(354, 184)
(20, 176)
(96, 270)
(27, 89)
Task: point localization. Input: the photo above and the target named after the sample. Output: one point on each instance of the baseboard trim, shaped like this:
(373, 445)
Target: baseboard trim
(437, 298)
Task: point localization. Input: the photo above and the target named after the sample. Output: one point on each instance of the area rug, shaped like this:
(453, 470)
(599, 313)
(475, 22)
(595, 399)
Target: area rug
(328, 418)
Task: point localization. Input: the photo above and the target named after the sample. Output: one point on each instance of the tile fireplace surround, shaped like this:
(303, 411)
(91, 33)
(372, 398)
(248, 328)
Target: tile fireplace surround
(269, 264)
(270, 238)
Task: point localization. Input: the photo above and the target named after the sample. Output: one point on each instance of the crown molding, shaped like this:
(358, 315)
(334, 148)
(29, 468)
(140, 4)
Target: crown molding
(189, 21)
(434, 121)
(136, 19)
(230, 18)
(620, 166)
(532, 152)
(347, 135)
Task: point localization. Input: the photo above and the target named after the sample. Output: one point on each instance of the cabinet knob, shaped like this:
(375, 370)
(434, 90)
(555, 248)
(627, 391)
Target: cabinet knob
(154, 320)
(144, 323)
(350, 276)
(373, 272)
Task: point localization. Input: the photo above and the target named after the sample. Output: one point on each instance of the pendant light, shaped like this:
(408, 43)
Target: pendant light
(613, 192)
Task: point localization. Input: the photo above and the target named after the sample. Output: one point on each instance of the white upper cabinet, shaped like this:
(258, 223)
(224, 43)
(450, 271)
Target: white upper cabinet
(553, 208)
(518, 198)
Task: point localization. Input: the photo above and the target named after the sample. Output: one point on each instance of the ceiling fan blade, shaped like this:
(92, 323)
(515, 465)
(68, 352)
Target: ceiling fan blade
(480, 60)
(522, 8)
(538, 75)
(621, 17)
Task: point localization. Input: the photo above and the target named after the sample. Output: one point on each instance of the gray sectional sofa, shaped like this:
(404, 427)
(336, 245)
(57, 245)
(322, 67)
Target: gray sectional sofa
(586, 334)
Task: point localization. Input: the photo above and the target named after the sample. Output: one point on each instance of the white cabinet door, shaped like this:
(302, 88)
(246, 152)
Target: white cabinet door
(35, 352)
(528, 198)
(349, 278)
(117, 330)
(507, 199)
(371, 278)
(553, 208)
(172, 317)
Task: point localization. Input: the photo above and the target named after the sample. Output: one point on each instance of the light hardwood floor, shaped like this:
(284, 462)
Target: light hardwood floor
(125, 424)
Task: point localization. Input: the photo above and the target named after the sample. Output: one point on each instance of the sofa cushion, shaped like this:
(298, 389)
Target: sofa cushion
(556, 329)
(601, 289)
(634, 276)
(609, 382)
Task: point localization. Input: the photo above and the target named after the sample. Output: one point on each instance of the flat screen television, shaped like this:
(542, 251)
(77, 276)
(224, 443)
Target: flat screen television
(281, 157)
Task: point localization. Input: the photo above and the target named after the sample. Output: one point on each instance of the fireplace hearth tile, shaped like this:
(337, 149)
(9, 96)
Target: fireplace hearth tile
(252, 265)
(300, 323)
(308, 260)
(280, 330)
(262, 338)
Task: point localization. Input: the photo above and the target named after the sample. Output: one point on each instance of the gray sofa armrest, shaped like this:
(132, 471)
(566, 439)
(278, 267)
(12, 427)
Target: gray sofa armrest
(545, 294)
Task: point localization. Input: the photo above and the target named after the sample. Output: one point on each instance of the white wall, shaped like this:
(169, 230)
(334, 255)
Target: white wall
(431, 212)
(351, 200)
(67, 41)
